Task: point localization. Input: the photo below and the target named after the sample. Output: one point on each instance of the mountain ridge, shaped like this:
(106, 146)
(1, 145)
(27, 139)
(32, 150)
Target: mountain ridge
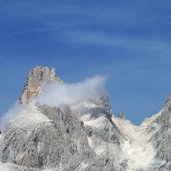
(81, 135)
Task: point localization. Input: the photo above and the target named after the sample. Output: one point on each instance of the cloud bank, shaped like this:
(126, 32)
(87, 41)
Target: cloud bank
(56, 94)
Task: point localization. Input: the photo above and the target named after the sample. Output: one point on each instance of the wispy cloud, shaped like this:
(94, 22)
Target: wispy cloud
(57, 16)
(101, 39)
(91, 25)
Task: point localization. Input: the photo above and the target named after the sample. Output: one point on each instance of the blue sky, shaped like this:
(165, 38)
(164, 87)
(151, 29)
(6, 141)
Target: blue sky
(128, 40)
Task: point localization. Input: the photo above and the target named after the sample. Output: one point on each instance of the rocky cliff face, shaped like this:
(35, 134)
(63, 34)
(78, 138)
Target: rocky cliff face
(83, 136)
(159, 129)
(36, 78)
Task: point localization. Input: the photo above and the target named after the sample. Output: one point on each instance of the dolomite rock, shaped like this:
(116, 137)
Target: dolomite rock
(37, 77)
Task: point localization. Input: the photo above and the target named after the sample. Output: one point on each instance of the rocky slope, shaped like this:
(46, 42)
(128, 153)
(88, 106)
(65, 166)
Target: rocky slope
(81, 136)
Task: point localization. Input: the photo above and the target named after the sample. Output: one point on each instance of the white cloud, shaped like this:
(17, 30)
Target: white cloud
(10, 114)
(55, 94)
(106, 40)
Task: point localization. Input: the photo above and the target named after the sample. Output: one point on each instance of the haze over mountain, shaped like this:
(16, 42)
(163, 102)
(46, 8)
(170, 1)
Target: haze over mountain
(59, 126)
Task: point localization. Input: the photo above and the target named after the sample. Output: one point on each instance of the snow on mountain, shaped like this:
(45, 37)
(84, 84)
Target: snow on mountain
(139, 151)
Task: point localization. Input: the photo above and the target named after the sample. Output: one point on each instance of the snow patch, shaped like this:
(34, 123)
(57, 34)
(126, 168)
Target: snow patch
(28, 116)
(136, 147)
(4, 167)
(128, 148)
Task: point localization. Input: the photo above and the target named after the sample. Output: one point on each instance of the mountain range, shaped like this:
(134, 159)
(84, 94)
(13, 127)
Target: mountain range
(61, 127)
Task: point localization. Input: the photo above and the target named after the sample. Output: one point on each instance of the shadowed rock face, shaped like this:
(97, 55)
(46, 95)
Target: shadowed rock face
(36, 78)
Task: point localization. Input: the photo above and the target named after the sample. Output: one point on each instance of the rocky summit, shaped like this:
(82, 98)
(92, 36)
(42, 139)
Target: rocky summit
(80, 136)
(36, 78)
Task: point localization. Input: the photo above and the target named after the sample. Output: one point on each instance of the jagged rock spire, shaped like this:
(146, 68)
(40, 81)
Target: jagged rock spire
(104, 102)
(167, 105)
(121, 115)
(37, 77)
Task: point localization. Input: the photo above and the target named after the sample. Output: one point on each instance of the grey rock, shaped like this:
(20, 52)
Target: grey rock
(121, 115)
(60, 143)
(160, 130)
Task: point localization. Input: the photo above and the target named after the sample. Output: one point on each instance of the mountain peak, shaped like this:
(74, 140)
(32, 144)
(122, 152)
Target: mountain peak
(76, 130)
(36, 78)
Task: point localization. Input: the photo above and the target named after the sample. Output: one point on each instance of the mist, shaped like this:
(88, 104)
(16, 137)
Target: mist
(55, 94)
(12, 112)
